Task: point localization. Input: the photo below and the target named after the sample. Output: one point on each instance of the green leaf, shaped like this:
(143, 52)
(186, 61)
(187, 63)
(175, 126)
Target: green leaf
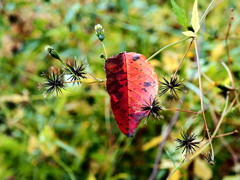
(180, 14)
(195, 17)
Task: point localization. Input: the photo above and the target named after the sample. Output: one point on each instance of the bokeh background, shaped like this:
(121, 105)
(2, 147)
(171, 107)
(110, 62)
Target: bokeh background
(75, 135)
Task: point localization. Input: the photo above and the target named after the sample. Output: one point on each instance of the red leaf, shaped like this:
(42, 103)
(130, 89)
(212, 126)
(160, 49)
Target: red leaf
(131, 83)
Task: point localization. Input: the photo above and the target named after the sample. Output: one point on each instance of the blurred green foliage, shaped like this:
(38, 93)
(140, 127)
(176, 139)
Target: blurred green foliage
(74, 135)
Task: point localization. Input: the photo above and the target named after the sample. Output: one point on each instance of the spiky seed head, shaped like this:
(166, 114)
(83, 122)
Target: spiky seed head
(188, 143)
(172, 85)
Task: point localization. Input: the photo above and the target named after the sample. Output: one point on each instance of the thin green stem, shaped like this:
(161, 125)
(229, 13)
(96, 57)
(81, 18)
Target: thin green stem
(175, 169)
(104, 48)
(91, 76)
(221, 119)
(77, 81)
(169, 45)
(97, 79)
(184, 162)
(206, 11)
(201, 20)
(64, 166)
(208, 79)
(181, 110)
(229, 73)
(231, 79)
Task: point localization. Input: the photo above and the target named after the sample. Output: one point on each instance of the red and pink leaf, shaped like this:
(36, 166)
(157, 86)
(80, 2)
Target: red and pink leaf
(131, 83)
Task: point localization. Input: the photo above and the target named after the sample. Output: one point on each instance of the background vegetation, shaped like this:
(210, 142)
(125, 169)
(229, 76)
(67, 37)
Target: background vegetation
(76, 134)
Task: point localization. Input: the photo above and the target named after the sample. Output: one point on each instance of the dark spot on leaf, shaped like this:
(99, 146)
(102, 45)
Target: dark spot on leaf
(13, 18)
(129, 135)
(147, 84)
(118, 95)
(136, 57)
(144, 89)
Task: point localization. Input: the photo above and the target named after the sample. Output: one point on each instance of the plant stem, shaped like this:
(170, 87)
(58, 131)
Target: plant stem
(97, 79)
(161, 144)
(227, 134)
(201, 96)
(73, 81)
(209, 141)
(232, 80)
(91, 76)
(64, 64)
(221, 119)
(64, 166)
(179, 65)
(104, 48)
(206, 12)
(229, 73)
(175, 169)
(169, 45)
(227, 35)
(181, 110)
(201, 20)
(107, 117)
(208, 79)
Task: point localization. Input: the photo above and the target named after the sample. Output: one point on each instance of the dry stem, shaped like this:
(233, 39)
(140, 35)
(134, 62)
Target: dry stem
(201, 97)
(179, 65)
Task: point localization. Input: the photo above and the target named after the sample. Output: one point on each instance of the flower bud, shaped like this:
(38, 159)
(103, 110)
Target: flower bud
(99, 32)
(102, 56)
(52, 52)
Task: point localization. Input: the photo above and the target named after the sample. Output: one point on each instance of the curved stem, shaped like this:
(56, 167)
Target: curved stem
(169, 45)
(179, 65)
(232, 80)
(208, 79)
(206, 12)
(64, 166)
(175, 169)
(221, 119)
(229, 73)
